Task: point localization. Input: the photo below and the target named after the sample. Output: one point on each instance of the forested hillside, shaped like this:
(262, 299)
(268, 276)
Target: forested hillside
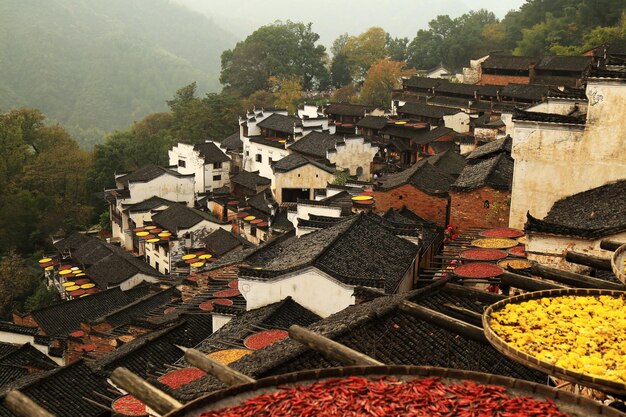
(103, 64)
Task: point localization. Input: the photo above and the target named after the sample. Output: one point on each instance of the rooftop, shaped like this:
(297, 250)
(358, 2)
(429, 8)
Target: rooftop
(372, 122)
(179, 216)
(426, 110)
(347, 109)
(564, 63)
(148, 173)
(495, 172)
(491, 148)
(211, 153)
(296, 160)
(449, 161)
(250, 179)
(220, 242)
(509, 62)
(316, 144)
(280, 123)
(232, 142)
(422, 175)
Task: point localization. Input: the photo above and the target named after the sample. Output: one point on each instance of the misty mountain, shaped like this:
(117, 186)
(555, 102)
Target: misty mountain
(103, 64)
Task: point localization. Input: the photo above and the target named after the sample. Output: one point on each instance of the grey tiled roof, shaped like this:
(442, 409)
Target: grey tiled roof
(295, 160)
(148, 173)
(221, 242)
(148, 204)
(426, 110)
(496, 172)
(491, 148)
(179, 216)
(423, 175)
(233, 142)
(524, 91)
(316, 144)
(373, 122)
(250, 179)
(450, 162)
(564, 63)
(593, 213)
(263, 202)
(509, 62)
(211, 153)
(347, 109)
(280, 123)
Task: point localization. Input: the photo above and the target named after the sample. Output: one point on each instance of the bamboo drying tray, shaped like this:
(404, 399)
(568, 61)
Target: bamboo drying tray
(570, 404)
(617, 263)
(531, 361)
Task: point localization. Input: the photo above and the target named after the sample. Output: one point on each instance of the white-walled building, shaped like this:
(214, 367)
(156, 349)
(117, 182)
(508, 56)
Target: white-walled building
(320, 270)
(207, 161)
(298, 177)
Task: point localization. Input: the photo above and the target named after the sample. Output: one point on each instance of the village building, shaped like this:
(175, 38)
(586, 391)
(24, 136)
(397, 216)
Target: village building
(188, 227)
(297, 176)
(105, 264)
(246, 183)
(234, 150)
(256, 215)
(321, 269)
(422, 188)
(435, 115)
(440, 71)
(481, 195)
(222, 242)
(578, 223)
(140, 186)
(448, 161)
(314, 119)
(561, 70)
(206, 161)
(351, 154)
(505, 69)
(370, 127)
(140, 214)
(345, 116)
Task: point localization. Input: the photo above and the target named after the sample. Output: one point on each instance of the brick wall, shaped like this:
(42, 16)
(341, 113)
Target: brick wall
(26, 320)
(503, 79)
(467, 209)
(432, 208)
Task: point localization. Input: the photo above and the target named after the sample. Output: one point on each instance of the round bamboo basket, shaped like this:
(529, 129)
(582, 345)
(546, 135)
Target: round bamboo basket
(531, 361)
(568, 403)
(617, 263)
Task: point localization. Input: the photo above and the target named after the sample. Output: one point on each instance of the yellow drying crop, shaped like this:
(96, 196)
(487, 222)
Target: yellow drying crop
(585, 334)
(494, 243)
(229, 356)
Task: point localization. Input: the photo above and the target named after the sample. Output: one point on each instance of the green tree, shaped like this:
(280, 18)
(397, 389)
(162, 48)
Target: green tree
(279, 49)
(42, 297)
(17, 283)
(287, 92)
(340, 70)
(364, 50)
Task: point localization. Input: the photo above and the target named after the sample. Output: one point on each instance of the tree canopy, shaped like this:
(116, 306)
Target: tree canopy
(279, 49)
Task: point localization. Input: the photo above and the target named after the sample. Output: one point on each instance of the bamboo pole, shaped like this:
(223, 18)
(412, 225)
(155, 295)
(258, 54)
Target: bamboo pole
(573, 279)
(446, 322)
(329, 348)
(611, 245)
(220, 371)
(148, 394)
(465, 314)
(527, 283)
(23, 406)
(464, 291)
(589, 260)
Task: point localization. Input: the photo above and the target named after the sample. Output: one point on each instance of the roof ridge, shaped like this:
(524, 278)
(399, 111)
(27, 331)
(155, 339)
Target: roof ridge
(31, 379)
(355, 220)
(132, 304)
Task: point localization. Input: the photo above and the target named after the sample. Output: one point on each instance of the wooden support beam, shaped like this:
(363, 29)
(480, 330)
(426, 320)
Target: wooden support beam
(23, 406)
(527, 283)
(331, 349)
(148, 394)
(220, 371)
(611, 245)
(465, 315)
(449, 323)
(464, 291)
(573, 279)
(589, 260)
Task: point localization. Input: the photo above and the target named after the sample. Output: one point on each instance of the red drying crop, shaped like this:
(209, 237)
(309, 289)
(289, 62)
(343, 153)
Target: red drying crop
(260, 340)
(208, 305)
(178, 378)
(519, 251)
(503, 232)
(233, 284)
(357, 396)
(129, 406)
(478, 270)
(483, 254)
(227, 293)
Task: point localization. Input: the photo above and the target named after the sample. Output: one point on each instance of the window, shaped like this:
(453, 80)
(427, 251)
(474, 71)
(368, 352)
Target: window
(217, 165)
(147, 259)
(253, 231)
(359, 171)
(217, 177)
(270, 161)
(258, 158)
(156, 266)
(166, 272)
(181, 163)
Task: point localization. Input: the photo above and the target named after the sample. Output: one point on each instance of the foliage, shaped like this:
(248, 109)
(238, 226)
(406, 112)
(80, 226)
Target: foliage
(349, 93)
(42, 297)
(100, 65)
(287, 92)
(17, 282)
(42, 183)
(364, 50)
(258, 100)
(382, 78)
(341, 177)
(279, 49)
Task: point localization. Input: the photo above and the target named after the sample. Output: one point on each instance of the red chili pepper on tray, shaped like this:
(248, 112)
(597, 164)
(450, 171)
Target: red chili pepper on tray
(359, 397)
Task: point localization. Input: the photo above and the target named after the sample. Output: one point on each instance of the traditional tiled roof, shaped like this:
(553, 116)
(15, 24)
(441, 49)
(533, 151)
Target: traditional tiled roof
(502, 145)
(263, 202)
(262, 140)
(64, 317)
(250, 179)
(348, 251)
(148, 173)
(426, 110)
(148, 204)
(380, 329)
(232, 142)
(20, 360)
(137, 308)
(449, 88)
(422, 175)
(509, 62)
(425, 137)
(347, 109)
(421, 82)
(442, 146)
(221, 241)
(450, 162)
(62, 391)
(564, 63)
(280, 123)
(488, 90)
(296, 160)
(590, 214)
(211, 153)
(179, 216)
(372, 122)
(106, 264)
(281, 223)
(495, 172)
(548, 117)
(153, 352)
(316, 144)
(450, 102)
(533, 92)
(404, 131)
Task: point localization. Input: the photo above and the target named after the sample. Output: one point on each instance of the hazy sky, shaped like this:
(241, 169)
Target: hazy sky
(333, 17)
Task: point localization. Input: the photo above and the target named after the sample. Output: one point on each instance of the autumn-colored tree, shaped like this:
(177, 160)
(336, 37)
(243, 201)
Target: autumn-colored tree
(258, 100)
(287, 92)
(364, 50)
(382, 78)
(347, 94)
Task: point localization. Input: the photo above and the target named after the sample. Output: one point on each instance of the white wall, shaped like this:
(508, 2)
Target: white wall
(136, 280)
(251, 149)
(165, 186)
(459, 122)
(304, 210)
(219, 320)
(354, 154)
(194, 164)
(558, 106)
(310, 288)
(20, 339)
